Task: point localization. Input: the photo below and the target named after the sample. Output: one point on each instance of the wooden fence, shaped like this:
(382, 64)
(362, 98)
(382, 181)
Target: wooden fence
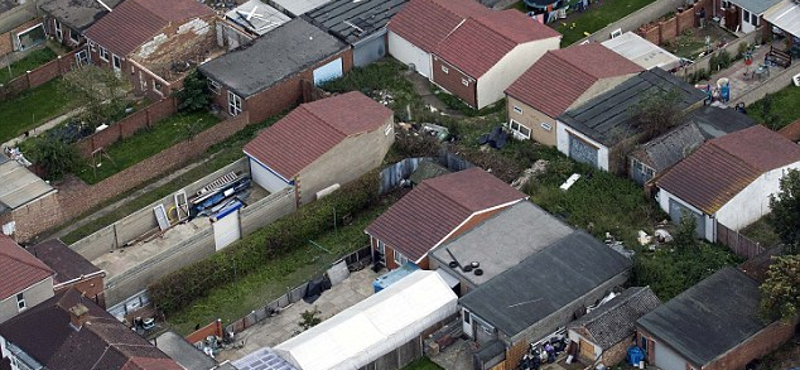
(738, 243)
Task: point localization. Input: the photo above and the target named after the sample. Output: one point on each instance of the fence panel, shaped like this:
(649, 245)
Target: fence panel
(738, 243)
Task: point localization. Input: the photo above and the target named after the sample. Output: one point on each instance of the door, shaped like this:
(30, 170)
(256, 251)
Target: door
(676, 212)
(82, 58)
(330, 71)
(582, 151)
(59, 30)
(226, 228)
(587, 350)
(265, 178)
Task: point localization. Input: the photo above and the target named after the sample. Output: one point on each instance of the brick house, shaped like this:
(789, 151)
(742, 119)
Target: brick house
(321, 144)
(67, 20)
(727, 182)
(72, 270)
(605, 334)
(23, 198)
(437, 210)
(559, 80)
(713, 325)
(26, 280)
(153, 43)
(299, 55)
(471, 51)
(70, 332)
(532, 300)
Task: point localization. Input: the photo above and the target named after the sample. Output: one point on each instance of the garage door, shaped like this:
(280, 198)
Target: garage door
(330, 71)
(581, 151)
(226, 226)
(676, 212)
(265, 178)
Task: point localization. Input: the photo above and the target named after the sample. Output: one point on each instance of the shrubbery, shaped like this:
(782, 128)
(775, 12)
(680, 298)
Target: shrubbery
(181, 288)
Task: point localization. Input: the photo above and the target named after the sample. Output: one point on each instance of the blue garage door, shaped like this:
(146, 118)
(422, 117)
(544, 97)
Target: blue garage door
(330, 71)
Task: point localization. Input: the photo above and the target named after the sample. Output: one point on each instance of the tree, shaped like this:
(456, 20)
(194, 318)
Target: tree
(194, 95)
(785, 207)
(657, 113)
(56, 156)
(686, 237)
(780, 293)
(99, 91)
(310, 318)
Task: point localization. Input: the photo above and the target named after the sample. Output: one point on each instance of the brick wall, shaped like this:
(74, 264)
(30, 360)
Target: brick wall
(669, 29)
(128, 126)
(616, 353)
(39, 76)
(757, 346)
(214, 328)
(452, 81)
(92, 288)
(685, 20)
(75, 197)
(6, 39)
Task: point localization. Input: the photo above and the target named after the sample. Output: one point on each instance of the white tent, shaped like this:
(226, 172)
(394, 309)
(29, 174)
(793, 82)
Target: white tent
(373, 327)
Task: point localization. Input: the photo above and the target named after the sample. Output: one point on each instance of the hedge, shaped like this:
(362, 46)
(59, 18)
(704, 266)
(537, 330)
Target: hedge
(181, 288)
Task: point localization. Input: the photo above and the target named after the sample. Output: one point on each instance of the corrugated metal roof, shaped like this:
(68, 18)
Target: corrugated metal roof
(755, 6)
(786, 16)
(20, 186)
(642, 52)
(423, 217)
(257, 17)
(309, 131)
(560, 77)
(351, 20)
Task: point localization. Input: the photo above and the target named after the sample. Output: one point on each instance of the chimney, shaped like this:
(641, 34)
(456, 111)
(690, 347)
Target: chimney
(78, 315)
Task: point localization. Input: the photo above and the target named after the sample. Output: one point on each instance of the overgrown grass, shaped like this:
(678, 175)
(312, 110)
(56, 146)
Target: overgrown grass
(146, 143)
(222, 154)
(32, 61)
(785, 107)
(32, 108)
(455, 103)
(762, 232)
(235, 300)
(422, 364)
(383, 76)
(599, 15)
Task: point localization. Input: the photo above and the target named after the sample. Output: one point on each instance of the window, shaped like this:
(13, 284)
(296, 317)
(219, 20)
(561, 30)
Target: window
(381, 247)
(745, 16)
(234, 104)
(21, 302)
(517, 110)
(400, 259)
(546, 126)
(445, 69)
(74, 36)
(754, 20)
(725, 4)
(59, 31)
(213, 86)
(465, 81)
(519, 130)
(116, 62)
(92, 46)
(466, 316)
(103, 54)
(157, 85)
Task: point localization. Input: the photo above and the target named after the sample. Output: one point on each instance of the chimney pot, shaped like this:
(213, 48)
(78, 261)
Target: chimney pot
(79, 314)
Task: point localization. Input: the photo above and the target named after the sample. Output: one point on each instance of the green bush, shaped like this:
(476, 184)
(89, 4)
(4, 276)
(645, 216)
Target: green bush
(181, 288)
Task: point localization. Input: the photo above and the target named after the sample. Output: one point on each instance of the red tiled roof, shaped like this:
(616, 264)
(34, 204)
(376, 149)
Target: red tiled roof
(494, 35)
(791, 131)
(723, 167)
(20, 269)
(134, 22)
(560, 77)
(425, 23)
(436, 207)
(312, 129)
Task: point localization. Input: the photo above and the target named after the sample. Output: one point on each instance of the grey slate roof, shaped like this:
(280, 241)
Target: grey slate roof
(616, 320)
(756, 6)
(545, 282)
(709, 318)
(77, 14)
(185, 354)
(20, 186)
(714, 122)
(351, 21)
(287, 50)
(608, 118)
(503, 241)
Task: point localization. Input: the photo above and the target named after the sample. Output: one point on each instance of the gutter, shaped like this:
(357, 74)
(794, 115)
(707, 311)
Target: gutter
(82, 277)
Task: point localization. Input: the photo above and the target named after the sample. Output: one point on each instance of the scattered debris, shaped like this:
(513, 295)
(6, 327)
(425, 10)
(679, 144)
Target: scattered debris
(441, 133)
(570, 181)
(384, 97)
(538, 167)
(643, 238)
(496, 139)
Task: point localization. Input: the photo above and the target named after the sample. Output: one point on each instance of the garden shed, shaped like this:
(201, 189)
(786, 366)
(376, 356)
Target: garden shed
(380, 332)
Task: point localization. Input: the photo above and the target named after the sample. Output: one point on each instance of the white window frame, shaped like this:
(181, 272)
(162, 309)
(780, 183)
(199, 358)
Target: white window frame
(76, 41)
(546, 126)
(59, 30)
(214, 86)
(517, 128)
(92, 46)
(464, 81)
(400, 259)
(381, 247)
(21, 304)
(445, 70)
(115, 59)
(234, 104)
(103, 53)
(517, 109)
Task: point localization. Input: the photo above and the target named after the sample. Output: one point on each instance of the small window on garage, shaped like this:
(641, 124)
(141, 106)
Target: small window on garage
(465, 81)
(445, 69)
(213, 86)
(517, 109)
(234, 104)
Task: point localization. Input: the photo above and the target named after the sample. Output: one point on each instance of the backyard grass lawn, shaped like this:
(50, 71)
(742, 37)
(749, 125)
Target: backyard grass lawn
(146, 143)
(234, 301)
(785, 105)
(762, 232)
(599, 15)
(31, 108)
(422, 364)
(29, 63)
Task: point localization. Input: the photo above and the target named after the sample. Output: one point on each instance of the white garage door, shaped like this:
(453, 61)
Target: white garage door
(226, 227)
(330, 71)
(266, 178)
